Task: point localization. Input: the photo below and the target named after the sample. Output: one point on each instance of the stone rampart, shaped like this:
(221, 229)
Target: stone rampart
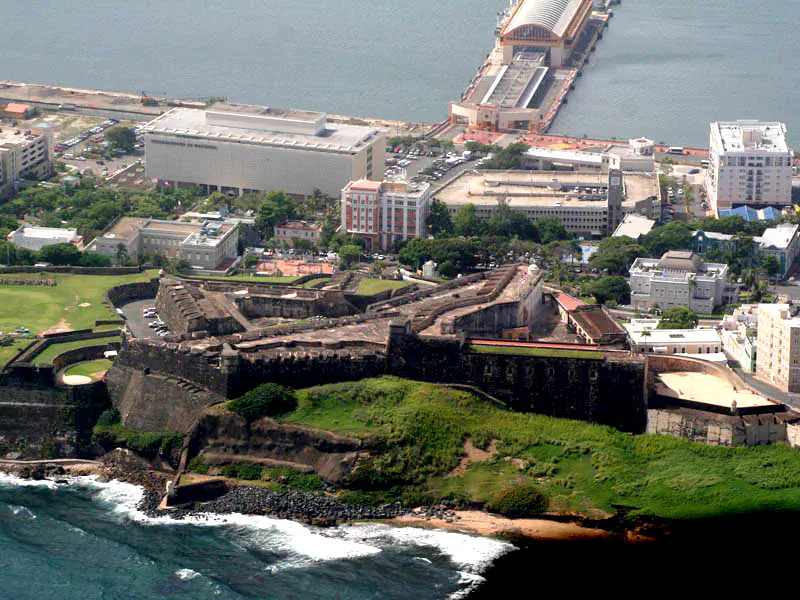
(293, 304)
(128, 292)
(155, 402)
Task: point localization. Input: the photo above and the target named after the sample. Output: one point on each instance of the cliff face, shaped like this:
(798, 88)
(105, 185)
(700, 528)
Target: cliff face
(224, 438)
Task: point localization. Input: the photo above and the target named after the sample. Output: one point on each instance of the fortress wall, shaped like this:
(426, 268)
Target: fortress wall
(295, 305)
(168, 359)
(486, 321)
(129, 292)
(156, 403)
(719, 430)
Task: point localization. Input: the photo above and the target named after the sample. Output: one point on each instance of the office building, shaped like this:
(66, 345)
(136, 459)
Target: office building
(590, 204)
(750, 163)
(208, 245)
(680, 279)
(778, 357)
(646, 338)
(239, 149)
(383, 213)
(23, 154)
(288, 233)
(35, 238)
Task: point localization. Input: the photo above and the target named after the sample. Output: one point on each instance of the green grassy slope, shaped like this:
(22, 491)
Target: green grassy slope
(419, 430)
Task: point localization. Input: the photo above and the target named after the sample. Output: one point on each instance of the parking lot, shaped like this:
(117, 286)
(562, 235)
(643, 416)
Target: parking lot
(137, 324)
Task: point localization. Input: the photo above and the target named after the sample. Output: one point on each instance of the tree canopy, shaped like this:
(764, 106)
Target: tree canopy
(678, 317)
(611, 290)
(121, 137)
(673, 236)
(616, 254)
(439, 221)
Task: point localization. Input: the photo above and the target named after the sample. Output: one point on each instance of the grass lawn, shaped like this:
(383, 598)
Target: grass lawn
(420, 430)
(89, 368)
(9, 352)
(39, 308)
(46, 357)
(320, 281)
(370, 287)
(519, 351)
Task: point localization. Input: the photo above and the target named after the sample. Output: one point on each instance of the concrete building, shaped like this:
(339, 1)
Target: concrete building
(750, 163)
(590, 204)
(634, 226)
(646, 338)
(551, 26)
(383, 213)
(252, 148)
(740, 344)
(208, 245)
(23, 154)
(290, 232)
(35, 238)
(17, 110)
(636, 157)
(680, 279)
(778, 358)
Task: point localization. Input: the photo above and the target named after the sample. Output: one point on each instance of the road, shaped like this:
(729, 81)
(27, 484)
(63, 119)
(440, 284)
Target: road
(136, 323)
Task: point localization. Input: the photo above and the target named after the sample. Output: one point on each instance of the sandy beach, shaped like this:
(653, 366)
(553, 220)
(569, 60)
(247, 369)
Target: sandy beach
(473, 521)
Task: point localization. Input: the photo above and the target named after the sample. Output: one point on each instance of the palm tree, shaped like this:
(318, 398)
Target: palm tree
(121, 255)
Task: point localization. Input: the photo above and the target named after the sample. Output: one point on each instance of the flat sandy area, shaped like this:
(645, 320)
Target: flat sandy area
(702, 387)
(474, 521)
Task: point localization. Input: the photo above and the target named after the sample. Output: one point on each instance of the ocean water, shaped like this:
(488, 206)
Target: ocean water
(664, 69)
(87, 541)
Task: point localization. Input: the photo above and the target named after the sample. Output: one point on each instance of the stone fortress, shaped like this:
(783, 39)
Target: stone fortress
(228, 338)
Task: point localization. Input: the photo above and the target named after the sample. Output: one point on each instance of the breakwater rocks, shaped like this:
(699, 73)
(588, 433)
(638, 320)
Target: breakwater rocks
(304, 507)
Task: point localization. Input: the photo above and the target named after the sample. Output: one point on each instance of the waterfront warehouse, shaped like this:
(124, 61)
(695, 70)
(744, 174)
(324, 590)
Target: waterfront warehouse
(239, 149)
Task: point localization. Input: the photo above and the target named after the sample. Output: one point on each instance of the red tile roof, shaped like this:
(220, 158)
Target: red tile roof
(568, 302)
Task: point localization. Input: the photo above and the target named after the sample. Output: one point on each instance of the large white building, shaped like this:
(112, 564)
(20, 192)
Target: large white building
(589, 203)
(236, 148)
(385, 212)
(208, 245)
(750, 163)
(35, 238)
(22, 154)
(679, 278)
(647, 338)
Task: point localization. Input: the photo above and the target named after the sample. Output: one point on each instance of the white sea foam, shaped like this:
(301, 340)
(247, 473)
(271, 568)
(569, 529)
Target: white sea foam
(469, 552)
(21, 510)
(8, 480)
(187, 574)
(470, 581)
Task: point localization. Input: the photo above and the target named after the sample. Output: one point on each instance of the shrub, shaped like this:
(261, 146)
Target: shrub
(268, 400)
(109, 417)
(523, 500)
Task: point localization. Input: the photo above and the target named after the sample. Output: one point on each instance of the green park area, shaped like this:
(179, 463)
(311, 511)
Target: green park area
(48, 355)
(75, 302)
(418, 436)
(370, 287)
(10, 351)
(94, 369)
(522, 351)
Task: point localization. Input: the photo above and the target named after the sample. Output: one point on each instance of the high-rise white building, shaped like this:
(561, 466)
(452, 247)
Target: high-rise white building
(750, 163)
(238, 148)
(22, 154)
(385, 212)
(778, 357)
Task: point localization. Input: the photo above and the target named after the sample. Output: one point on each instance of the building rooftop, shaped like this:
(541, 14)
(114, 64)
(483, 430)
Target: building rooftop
(654, 336)
(579, 189)
(9, 135)
(778, 237)
(557, 154)
(633, 226)
(750, 136)
(553, 15)
(57, 234)
(301, 130)
(748, 213)
(597, 322)
(681, 260)
(126, 228)
(300, 225)
(568, 302)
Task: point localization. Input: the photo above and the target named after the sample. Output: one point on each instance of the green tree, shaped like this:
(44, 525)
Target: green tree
(60, 254)
(551, 229)
(771, 265)
(466, 221)
(94, 259)
(275, 208)
(439, 221)
(267, 400)
(673, 236)
(678, 317)
(612, 289)
(349, 255)
(250, 261)
(121, 138)
(121, 254)
(616, 254)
